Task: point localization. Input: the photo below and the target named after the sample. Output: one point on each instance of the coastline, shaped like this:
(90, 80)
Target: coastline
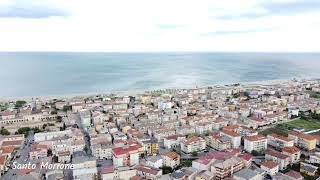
(137, 92)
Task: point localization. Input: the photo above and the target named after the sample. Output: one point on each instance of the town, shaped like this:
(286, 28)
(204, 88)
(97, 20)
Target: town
(233, 132)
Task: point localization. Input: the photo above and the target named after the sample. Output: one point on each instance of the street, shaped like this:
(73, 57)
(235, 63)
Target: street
(24, 157)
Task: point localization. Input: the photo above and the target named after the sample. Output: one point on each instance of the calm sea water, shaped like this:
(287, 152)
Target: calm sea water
(45, 74)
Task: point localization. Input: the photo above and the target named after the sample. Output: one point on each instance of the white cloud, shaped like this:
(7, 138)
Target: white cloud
(140, 25)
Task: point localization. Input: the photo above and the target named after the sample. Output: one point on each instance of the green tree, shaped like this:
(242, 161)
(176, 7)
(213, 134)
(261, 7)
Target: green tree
(36, 130)
(49, 152)
(67, 108)
(20, 103)
(4, 131)
(257, 153)
(23, 130)
(194, 154)
(167, 170)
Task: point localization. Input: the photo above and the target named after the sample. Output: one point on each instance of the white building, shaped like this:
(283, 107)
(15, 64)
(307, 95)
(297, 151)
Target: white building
(270, 167)
(233, 136)
(255, 143)
(193, 144)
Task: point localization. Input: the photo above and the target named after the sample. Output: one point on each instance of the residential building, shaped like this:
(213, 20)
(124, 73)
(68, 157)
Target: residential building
(148, 172)
(233, 136)
(315, 158)
(226, 167)
(111, 173)
(308, 169)
(173, 141)
(293, 152)
(151, 146)
(279, 141)
(218, 142)
(270, 167)
(171, 159)
(126, 156)
(304, 141)
(248, 174)
(193, 144)
(38, 151)
(255, 143)
(154, 161)
(282, 160)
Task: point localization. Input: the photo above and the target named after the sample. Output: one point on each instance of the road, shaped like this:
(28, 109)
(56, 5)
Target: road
(24, 157)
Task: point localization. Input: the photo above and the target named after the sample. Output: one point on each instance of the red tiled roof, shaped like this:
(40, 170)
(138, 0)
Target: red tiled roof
(193, 140)
(7, 150)
(148, 170)
(302, 136)
(258, 137)
(172, 155)
(125, 150)
(230, 133)
(276, 154)
(294, 174)
(3, 160)
(269, 164)
(12, 143)
(107, 170)
(291, 150)
(246, 156)
(283, 138)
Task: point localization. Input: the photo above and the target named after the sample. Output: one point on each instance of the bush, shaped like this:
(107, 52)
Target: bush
(4, 131)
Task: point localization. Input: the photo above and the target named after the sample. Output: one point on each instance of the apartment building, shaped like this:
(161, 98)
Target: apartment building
(281, 159)
(233, 136)
(193, 144)
(305, 141)
(171, 159)
(293, 152)
(279, 141)
(126, 156)
(255, 143)
(218, 142)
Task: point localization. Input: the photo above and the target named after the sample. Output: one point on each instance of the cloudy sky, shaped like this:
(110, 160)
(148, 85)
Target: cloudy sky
(160, 25)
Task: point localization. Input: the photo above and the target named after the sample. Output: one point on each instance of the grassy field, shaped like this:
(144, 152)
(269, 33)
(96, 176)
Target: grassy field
(307, 124)
(275, 130)
(282, 129)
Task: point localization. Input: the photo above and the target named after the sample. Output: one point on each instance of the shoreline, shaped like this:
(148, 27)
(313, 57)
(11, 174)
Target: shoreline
(137, 92)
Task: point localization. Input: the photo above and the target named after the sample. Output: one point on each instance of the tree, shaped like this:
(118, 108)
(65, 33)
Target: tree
(256, 153)
(4, 131)
(23, 130)
(67, 108)
(194, 154)
(49, 152)
(85, 149)
(20, 103)
(55, 159)
(167, 170)
(59, 119)
(36, 130)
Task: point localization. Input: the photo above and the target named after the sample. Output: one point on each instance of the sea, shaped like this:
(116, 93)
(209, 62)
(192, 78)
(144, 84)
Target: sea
(33, 74)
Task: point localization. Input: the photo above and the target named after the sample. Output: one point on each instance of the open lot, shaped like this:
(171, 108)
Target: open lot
(307, 124)
(274, 130)
(282, 129)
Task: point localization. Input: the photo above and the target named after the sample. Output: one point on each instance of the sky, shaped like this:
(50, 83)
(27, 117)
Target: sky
(160, 25)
